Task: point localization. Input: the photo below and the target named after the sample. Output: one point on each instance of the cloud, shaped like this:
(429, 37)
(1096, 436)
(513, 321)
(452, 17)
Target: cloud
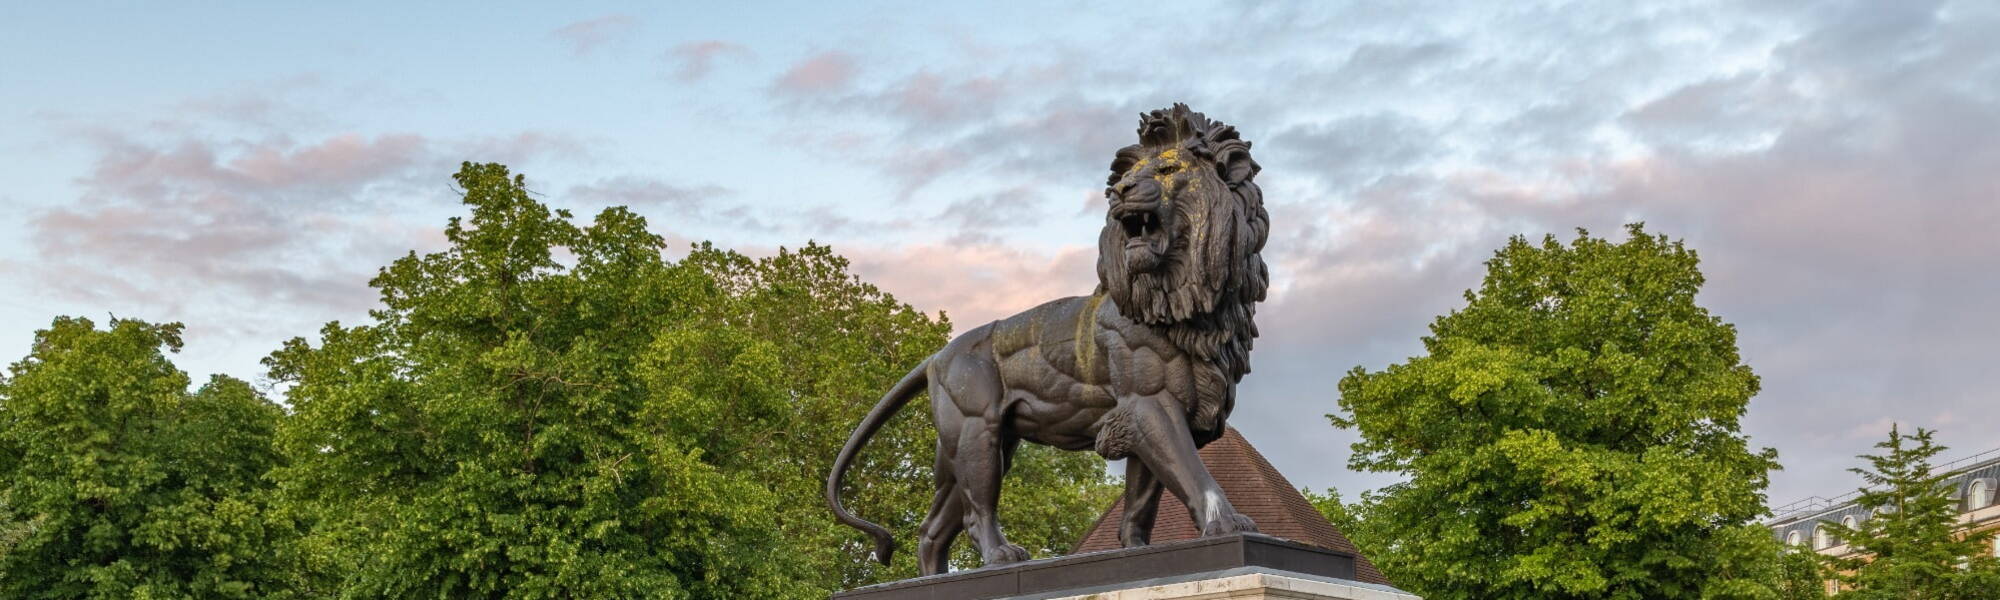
(979, 125)
(584, 37)
(640, 191)
(970, 220)
(975, 283)
(216, 232)
(1356, 150)
(1013, 207)
(173, 219)
(1832, 163)
(824, 73)
(269, 105)
(694, 60)
(517, 148)
(685, 203)
(927, 97)
(1837, 184)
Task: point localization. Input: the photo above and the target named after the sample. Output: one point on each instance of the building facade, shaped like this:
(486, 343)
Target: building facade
(1974, 482)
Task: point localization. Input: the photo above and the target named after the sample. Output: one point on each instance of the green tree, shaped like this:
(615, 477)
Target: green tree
(792, 355)
(487, 437)
(1338, 512)
(116, 482)
(1572, 432)
(547, 409)
(1799, 574)
(1911, 548)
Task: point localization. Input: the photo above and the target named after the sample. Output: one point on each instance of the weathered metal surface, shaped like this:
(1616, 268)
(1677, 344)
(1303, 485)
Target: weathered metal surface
(1145, 367)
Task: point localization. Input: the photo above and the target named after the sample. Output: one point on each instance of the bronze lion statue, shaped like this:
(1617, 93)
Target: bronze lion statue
(1145, 367)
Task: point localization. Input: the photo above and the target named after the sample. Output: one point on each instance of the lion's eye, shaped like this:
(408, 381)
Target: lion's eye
(1168, 169)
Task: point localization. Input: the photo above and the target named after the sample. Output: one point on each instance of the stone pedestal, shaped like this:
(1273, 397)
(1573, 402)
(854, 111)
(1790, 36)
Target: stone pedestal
(1235, 566)
(1253, 586)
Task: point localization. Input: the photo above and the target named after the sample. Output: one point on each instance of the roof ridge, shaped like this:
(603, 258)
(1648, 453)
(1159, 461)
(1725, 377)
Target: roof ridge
(1257, 489)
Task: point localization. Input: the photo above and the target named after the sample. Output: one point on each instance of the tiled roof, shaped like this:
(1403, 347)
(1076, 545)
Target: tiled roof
(1256, 489)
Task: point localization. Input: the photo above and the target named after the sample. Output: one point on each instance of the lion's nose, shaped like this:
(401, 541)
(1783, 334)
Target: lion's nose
(1137, 190)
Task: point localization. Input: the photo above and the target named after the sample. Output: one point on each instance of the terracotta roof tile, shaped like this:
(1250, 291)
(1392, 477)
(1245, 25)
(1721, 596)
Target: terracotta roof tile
(1256, 489)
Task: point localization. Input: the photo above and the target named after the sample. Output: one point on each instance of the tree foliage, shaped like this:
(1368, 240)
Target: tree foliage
(1337, 511)
(488, 436)
(1911, 547)
(550, 409)
(116, 482)
(831, 345)
(1572, 432)
(1799, 574)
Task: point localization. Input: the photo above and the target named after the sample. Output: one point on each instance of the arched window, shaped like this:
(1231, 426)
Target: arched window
(1978, 496)
(1848, 522)
(1822, 539)
(1794, 539)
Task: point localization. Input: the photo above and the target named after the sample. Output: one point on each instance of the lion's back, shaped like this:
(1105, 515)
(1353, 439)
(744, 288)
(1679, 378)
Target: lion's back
(1051, 345)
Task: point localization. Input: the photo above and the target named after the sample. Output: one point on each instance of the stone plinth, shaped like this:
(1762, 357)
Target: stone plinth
(1257, 490)
(1252, 586)
(1233, 566)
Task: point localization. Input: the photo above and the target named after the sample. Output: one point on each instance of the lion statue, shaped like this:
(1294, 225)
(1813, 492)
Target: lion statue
(1145, 367)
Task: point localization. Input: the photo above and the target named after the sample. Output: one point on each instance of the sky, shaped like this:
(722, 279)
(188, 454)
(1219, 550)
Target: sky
(245, 168)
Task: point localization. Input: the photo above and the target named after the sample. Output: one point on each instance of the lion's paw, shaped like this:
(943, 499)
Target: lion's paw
(1243, 523)
(1234, 523)
(1006, 554)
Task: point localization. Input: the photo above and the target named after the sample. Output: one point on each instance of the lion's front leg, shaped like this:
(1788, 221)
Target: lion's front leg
(1168, 450)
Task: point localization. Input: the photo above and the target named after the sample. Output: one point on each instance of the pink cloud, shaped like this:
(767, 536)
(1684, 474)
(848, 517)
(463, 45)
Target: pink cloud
(672, 202)
(978, 122)
(340, 160)
(822, 73)
(584, 37)
(929, 97)
(338, 164)
(976, 284)
(198, 224)
(517, 148)
(696, 59)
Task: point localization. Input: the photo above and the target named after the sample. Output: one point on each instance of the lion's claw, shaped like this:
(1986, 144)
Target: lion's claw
(1243, 523)
(1006, 554)
(1235, 523)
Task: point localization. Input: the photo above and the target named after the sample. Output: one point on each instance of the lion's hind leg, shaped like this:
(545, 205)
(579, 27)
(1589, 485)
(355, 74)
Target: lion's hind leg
(1142, 504)
(944, 521)
(981, 463)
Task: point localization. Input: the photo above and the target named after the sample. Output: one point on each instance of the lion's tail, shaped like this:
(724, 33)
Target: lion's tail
(885, 544)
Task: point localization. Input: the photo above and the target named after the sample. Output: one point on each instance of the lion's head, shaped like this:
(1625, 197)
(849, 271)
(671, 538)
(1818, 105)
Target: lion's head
(1182, 239)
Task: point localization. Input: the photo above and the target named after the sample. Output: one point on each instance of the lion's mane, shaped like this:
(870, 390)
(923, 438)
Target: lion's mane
(1204, 296)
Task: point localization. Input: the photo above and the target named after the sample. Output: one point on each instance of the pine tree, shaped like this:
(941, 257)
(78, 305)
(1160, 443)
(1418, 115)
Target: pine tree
(1911, 548)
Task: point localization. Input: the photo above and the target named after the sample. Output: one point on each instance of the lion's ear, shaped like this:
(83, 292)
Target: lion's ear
(1234, 164)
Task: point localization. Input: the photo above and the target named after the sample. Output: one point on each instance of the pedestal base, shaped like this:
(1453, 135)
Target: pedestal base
(1232, 566)
(1252, 586)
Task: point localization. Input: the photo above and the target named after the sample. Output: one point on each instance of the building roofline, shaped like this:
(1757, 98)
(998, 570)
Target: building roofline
(1814, 506)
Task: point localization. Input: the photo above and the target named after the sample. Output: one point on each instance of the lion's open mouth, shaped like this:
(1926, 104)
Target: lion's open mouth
(1139, 224)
